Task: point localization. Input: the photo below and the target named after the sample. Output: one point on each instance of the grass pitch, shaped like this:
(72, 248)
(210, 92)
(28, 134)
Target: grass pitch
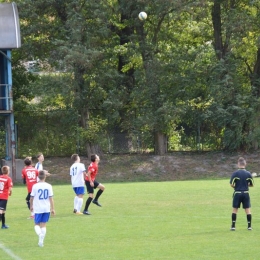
(149, 220)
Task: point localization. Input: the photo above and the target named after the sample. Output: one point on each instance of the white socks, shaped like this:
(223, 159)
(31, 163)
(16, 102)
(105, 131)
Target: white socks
(37, 230)
(44, 230)
(41, 232)
(80, 202)
(76, 202)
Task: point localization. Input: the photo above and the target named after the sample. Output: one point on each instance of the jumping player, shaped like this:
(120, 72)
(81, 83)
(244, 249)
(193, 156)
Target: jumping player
(92, 184)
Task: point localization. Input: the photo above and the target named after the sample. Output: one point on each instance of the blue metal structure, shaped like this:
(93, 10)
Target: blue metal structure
(9, 39)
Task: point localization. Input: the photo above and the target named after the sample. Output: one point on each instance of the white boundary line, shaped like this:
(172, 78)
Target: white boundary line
(9, 252)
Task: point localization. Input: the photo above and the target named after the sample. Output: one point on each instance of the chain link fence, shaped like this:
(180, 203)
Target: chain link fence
(56, 133)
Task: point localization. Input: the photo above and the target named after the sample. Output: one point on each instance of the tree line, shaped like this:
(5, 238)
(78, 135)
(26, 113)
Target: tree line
(189, 72)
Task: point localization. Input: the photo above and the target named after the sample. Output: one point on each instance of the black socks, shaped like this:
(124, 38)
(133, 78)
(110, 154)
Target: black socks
(249, 219)
(88, 201)
(234, 218)
(2, 217)
(98, 194)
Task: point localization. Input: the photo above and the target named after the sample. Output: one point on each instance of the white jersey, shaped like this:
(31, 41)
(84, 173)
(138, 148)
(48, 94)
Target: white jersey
(38, 166)
(41, 191)
(77, 174)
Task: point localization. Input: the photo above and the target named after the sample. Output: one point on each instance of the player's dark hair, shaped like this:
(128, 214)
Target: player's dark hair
(28, 161)
(93, 158)
(74, 157)
(42, 175)
(5, 169)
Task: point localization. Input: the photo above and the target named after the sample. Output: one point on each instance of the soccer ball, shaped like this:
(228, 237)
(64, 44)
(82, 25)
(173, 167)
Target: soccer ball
(142, 16)
(254, 174)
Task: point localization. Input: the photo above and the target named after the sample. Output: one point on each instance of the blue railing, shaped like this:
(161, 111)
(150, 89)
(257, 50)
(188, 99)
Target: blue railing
(6, 101)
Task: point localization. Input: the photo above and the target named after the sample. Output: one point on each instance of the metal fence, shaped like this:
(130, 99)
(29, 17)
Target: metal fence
(55, 133)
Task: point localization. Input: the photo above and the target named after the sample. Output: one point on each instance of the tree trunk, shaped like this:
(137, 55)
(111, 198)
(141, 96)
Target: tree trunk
(216, 20)
(221, 45)
(160, 143)
(93, 149)
(81, 103)
(120, 140)
(255, 78)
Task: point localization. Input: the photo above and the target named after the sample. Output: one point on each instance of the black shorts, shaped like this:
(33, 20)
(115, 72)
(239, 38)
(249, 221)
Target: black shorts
(241, 197)
(3, 204)
(90, 189)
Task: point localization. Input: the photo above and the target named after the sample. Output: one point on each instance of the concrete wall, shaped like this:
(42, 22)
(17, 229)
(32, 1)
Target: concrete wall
(19, 167)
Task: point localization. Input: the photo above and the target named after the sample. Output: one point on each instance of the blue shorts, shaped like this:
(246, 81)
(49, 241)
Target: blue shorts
(41, 217)
(79, 190)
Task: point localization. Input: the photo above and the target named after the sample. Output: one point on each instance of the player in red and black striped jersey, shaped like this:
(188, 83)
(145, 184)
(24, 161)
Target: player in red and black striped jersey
(92, 183)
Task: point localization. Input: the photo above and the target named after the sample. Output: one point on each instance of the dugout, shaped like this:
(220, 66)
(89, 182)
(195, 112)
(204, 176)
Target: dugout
(9, 39)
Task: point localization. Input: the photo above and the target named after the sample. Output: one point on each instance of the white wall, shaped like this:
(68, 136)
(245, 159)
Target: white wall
(19, 167)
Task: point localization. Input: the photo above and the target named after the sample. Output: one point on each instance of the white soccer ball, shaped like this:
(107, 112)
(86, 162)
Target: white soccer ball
(142, 16)
(254, 174)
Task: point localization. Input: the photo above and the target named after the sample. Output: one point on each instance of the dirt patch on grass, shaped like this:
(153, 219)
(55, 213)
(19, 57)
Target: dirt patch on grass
(175, 166)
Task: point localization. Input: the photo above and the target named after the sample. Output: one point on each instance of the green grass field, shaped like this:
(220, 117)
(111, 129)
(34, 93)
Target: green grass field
(154, 220)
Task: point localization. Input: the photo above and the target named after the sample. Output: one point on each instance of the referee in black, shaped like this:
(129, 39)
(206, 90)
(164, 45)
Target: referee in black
(241, 180)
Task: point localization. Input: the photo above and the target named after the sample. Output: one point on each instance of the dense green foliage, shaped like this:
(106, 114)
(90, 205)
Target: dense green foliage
(188, 76)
